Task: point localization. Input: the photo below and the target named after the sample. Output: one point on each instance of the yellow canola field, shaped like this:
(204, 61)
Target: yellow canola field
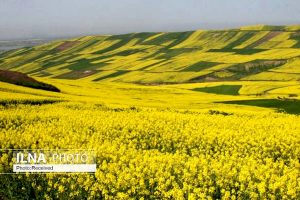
(145, 153)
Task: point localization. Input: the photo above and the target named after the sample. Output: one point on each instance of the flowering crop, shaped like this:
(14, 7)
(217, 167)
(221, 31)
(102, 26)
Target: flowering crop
(145, 153)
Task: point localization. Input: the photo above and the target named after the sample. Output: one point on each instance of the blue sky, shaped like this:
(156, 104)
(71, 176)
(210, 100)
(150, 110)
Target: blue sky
(55, 18)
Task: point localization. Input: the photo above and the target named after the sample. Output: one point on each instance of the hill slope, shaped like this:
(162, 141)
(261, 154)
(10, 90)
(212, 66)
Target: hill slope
(19, 78)
(248, 53)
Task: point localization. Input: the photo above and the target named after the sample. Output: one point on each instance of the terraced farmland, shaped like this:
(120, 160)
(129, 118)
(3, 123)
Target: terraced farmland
(248, 53)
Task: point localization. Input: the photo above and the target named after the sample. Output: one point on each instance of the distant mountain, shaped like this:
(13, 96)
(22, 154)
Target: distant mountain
(249, 53)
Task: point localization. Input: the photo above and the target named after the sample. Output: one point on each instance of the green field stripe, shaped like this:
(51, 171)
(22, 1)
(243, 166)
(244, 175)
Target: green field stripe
(78, 74)
(239, 41)
(241, 70)
(118, 73)
(221, 89)
(128, 52)
(151, 65)
(171, 53)
(297, 45)
(222, 37)
(143, 36)
(83, 65)
(40, 55)
(57, 58)
(81, 46)
(31, 57)
(239, 51)
(168, 37)
(180, 38)
(296, 36)
(122, 42)
(15, 52)
(289, 106)
(213, 38)
(200, 66)
(264, 39)
(273, 28)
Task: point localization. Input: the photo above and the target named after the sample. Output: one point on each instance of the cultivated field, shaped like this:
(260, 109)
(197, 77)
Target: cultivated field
(192, 115)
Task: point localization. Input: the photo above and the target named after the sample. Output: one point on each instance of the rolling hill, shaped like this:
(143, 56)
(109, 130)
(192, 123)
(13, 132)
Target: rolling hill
(253, 53)
(236, 68)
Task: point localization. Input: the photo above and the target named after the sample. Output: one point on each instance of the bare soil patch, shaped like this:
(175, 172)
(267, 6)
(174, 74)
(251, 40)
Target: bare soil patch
(66, 45)
(264, 39)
